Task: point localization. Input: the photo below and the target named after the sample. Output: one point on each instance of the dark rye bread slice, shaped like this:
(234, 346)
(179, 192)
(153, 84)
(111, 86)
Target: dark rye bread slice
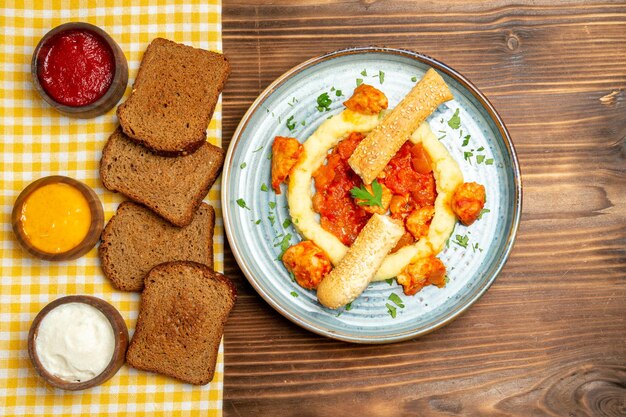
(135, 240)
(174, 96)
(184, 307)
(172, 187)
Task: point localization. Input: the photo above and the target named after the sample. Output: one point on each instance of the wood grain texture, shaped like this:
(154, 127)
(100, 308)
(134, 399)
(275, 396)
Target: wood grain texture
(549, 337)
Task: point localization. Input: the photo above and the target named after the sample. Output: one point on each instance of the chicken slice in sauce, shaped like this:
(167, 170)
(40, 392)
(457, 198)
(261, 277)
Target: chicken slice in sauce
(285, 154)
(468, 201)
(308, 263)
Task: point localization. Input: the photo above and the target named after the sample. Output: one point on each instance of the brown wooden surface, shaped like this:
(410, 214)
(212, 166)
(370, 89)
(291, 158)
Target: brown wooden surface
(549, 337)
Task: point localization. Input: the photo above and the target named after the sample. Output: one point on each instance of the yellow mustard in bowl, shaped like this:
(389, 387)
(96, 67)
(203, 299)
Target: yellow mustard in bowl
(55, 218)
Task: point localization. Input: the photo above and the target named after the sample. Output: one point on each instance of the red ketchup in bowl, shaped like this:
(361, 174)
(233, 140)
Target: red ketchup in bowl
(75, 67)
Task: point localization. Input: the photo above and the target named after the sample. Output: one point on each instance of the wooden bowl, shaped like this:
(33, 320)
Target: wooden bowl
(95, 228)
(113, 94)
(120, 332)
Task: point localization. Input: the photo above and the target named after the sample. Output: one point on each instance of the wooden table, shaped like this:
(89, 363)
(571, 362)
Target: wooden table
(549, 337)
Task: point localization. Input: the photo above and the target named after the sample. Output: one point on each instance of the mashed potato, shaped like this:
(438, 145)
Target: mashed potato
(445, 169)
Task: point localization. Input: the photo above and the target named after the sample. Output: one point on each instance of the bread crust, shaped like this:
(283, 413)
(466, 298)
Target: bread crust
(374, 152)
(112, 244)
(138, 341)
(359, 265)
(134, 184)
(166, 94)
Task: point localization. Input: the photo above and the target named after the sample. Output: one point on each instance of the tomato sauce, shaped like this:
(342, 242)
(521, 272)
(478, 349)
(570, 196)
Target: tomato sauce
(75, 67)
(402, 179)
(408, 175)
(339, 214)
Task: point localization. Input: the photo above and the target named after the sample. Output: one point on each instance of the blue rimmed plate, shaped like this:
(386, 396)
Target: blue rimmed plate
(257, 221)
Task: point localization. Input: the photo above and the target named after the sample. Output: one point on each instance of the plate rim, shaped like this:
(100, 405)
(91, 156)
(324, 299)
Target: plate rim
(425, 59)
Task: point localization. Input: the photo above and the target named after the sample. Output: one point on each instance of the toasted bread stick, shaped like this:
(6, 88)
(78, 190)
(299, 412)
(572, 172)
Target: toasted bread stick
(356, 269)
(376, 150)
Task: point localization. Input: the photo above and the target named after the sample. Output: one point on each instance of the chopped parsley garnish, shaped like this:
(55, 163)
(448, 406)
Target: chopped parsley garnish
(480, 159)
(258, 221)
(414, 79)
(364, 73)
(257, 149)
(482, 148)
(391, 310)
(286, 223)
(272, 204)
(461, 240)
(359, 81)
(242, 203)
(455, 120)
(374, 199)
(284, 244)
(396, 299)
(466, 140)
(303, 123)
(272, 220)
(489, 161)
(269, 156)
(243, 165)
(294, 294)
(338, 93)
(323, 102)
(348, 306)
(264, 187)
(468, 155)
(291, 124)
(483, 211)
(389, 281)
(381, 77)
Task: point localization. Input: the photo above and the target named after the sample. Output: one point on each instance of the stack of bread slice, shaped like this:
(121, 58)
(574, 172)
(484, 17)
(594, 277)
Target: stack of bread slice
(161, 243)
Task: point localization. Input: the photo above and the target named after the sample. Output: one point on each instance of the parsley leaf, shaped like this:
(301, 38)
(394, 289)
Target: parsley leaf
(414, 79)
(257, 149)
(242, 203)
(461, 241)
(348, 306)
(396, 299)
(264, 187)
(483, 211)
(480, 159)
(381, 77)
(338, 93)
(373, 199)
(284, 244)
(243, 165)
(389, 281)
(455, 120)
(489, 161)
(359, 81)
(291, 124)
(286, 223)
(391, 310)
(364, 73)
(323, 102)
(468, 155)
(294, 294)
(272, 204)
(466, 140)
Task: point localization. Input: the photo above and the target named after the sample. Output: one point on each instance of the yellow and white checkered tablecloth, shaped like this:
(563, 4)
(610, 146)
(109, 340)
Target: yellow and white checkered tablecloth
(37, 141)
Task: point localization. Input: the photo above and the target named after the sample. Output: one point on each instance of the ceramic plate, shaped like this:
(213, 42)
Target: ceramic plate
(257, 220)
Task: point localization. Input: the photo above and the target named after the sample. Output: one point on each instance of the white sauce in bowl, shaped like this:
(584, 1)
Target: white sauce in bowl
(75, 342)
